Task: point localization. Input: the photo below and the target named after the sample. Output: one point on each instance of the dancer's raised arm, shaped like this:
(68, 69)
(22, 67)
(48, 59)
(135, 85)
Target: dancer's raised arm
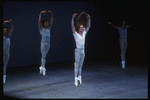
(112, 25)
(72, 23)
(88, 23)
(39, 20)
(133, 23)
(12, 27)
(51, 18)
(80, 16)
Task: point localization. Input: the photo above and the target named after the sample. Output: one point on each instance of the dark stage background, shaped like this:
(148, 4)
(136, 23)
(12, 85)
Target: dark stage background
(102, 41)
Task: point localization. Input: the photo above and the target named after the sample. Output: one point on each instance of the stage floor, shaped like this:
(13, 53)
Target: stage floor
(99, 80)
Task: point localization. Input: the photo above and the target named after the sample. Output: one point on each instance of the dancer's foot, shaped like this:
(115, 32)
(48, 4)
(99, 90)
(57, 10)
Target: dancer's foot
(80, 79)
(4, 79)
(123, 64)
(76, 81)
(42, 70)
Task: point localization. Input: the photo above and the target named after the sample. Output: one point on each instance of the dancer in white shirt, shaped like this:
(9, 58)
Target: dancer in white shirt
(45, 42)
(79, 36)
(6, 46)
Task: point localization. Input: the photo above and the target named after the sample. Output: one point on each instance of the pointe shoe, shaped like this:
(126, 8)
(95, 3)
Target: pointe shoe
(76, 81)
(80, 79)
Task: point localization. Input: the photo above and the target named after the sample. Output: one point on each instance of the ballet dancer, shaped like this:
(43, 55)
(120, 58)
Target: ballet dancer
(6, 46)
(122, 29)
(44, 30)
(79, 36)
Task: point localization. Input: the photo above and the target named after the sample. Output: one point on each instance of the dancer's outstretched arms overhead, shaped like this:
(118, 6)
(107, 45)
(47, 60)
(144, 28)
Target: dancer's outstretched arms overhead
(39, 20)
(112, 25)
(12, 25)
(72, 23)
(80, 16)
(133, 23)
(88, 22)
(51, 18)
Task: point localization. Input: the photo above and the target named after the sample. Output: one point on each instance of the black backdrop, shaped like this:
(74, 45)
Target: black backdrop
(102, 41)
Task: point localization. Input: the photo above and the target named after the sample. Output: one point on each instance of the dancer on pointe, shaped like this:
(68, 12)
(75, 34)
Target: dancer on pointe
(45, 42)
(79, 36)
(6, 47)
(123, 39)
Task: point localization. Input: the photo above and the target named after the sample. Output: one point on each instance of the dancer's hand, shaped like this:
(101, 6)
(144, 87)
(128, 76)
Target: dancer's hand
(10, 20)
(44, 11)
(49, 11)
(108, 22)
(74, 15)
(88, 16)
(82, 12)
(7, 21)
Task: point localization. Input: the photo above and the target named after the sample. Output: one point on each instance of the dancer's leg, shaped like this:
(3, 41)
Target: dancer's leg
(44, 50)
(43, 54)
(125, 48)
(123, 45)
(6, 56)
(4, 51)
(81, 63)
(80, 66)
(76, 66)
(47, 47)
(126, 43)
(122, 48)
(77, 60)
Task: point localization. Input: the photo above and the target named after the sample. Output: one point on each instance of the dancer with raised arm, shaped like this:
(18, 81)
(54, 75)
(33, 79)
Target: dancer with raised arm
(79, 36)
(123, 39)
(6, 46)
(44, 30)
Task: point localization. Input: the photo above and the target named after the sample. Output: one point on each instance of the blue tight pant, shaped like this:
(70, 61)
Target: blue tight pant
(123, 47)
(6, 56)
(44, 50)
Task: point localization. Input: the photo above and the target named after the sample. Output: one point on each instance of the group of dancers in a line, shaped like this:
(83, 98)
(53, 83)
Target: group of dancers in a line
(79, 32)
